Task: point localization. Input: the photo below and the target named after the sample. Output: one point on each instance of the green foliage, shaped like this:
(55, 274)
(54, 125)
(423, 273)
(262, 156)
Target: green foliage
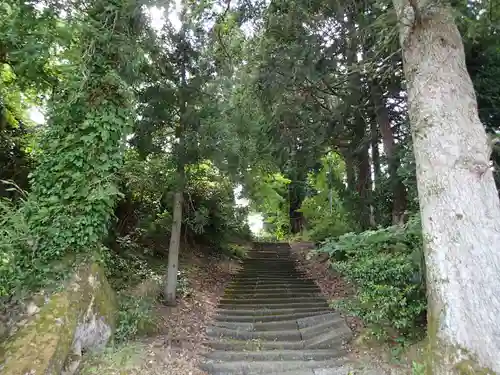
(386, 267)
(268, 193)
(417, 368)
(323, 209)
(123, 358)
(137, 277)
(210, 214)
(74, 187)
(235, 250)
(14, 240)
(135, 317)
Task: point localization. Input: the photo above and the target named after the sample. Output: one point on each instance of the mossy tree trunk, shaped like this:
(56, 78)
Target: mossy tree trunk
(459, 203)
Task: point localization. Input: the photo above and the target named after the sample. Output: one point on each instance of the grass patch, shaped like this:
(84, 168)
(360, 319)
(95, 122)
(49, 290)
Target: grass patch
(116, 360)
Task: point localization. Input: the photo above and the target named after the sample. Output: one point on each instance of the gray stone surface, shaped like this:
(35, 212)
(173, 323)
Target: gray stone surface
(273, 321)
(317, 319)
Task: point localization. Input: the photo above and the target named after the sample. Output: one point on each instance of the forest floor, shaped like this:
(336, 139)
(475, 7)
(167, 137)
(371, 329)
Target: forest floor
(178, 342)
(388, 358)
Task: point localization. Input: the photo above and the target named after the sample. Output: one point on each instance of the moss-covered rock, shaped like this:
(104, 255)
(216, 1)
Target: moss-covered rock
(79, 318)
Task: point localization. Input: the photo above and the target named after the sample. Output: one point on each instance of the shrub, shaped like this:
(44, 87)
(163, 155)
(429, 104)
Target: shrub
(135, 317)
(234, 250)
(387, 268)
(328, 227)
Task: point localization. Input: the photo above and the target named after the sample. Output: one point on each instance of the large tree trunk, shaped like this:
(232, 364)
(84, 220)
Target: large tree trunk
(399, 197)
(459, 203)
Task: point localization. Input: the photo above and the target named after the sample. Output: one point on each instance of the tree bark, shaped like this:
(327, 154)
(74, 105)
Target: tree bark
(399, 196)
(349, 170)
(459, 204)
(175, 235)
(360, 144)
(377, 172)
(364, 187)
(173, 251)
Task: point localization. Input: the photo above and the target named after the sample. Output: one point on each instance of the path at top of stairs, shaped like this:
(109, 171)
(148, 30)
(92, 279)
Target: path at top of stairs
(273, 321)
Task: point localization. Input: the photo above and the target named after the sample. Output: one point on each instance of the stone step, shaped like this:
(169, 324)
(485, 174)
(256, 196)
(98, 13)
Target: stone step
(289, 333)
(333, 340)
(262, 263)
(275, 294)
(325, 326)
(273, 320)
(256, 278)
(290, 289)
(279, 266)
(259, 264)
(268, 318)
(269, 301)
(253, 345)
(241, 334)
(265, 367)
(266, 287)
(342, 369)
(257, 313)
(276, 306)
(294, 323)
(264, 260)
(275, 355)
(278, 280)
(243, 292)
(254, 326)
(330, 339)
(290, 281)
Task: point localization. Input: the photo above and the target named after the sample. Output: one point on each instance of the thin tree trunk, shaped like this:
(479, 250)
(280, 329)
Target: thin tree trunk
(173, 251)
(377, 173)
(459, 203)
(175, 235)
(361, 146)
(364, 187)
(295, 202)
(399, 195)
(349, 170)
(375, 153)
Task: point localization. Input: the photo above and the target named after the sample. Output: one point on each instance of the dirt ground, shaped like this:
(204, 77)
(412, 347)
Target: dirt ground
(178, 344)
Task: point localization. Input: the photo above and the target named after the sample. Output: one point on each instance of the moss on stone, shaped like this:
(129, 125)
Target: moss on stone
(43, 345)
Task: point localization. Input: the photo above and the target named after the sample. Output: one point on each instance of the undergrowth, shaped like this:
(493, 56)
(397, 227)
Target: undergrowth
(120, 359)
(136, 317)
(138, 277)
(386, 266)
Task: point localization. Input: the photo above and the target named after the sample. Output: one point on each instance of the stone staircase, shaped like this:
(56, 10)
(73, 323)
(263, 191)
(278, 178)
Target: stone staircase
(272, 320)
